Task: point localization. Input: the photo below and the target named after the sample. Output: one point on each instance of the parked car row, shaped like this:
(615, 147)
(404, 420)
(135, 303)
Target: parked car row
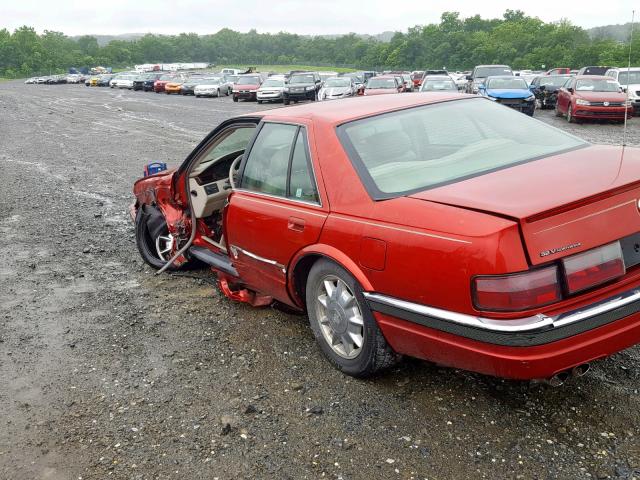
(591, 92)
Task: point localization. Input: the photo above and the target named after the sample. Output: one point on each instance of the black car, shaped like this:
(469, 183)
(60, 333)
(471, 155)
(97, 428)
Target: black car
(145, 82)
(103, 80)
(593, 70)
(188, 86)
(301, 86)
(546, 87)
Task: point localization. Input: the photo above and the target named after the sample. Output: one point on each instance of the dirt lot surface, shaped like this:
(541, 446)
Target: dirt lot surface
(107, 371)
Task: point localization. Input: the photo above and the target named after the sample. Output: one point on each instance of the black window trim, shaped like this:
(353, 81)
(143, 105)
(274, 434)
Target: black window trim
(307, 152)
(378, 195)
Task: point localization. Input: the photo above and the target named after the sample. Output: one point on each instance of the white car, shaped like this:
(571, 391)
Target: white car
(338, 87)
(271, 90)
(73, 78)
(213, 87)
(122, 81)
(629, 81)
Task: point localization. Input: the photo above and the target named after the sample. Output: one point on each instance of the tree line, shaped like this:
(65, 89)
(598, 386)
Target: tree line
(454, 43)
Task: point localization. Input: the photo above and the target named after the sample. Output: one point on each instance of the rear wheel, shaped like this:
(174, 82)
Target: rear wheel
(155, 245)
(342, 323)
(286, 102)
(235, 99)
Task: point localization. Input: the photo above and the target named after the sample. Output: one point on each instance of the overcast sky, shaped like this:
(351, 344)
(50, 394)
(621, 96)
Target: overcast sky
(297, 16)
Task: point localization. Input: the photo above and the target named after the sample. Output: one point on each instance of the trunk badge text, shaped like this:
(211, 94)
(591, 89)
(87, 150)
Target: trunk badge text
(551, 251)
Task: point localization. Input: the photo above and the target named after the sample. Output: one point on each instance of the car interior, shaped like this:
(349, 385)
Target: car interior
(210, 181)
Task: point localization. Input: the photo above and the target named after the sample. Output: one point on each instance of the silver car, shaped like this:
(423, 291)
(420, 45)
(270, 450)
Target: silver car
(338, 87)
(270, 90)
(212, 87)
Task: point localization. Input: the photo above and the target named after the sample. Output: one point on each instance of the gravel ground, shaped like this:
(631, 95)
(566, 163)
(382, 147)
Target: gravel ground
(107, 371)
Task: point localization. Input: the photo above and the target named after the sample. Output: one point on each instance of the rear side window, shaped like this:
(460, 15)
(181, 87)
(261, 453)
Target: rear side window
(302, 185)
(279, 164)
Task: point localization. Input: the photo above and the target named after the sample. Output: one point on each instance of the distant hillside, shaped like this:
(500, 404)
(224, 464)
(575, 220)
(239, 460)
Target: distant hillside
(105, 39)
(615, 32)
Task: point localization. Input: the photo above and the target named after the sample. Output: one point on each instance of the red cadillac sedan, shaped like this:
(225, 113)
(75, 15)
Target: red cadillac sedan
(505, 247)
(591, 96)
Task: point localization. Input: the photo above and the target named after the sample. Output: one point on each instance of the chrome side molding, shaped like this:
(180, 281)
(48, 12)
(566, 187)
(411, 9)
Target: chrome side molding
(524, 324)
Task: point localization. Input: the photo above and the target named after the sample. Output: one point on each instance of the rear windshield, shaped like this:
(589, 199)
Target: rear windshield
(377, 82)
(301, 79)
(438, 84)
(597, 85)
(507, 83)
(423, 147)
(484, 72)
(554, 80)
(625, 78)
(248, 81)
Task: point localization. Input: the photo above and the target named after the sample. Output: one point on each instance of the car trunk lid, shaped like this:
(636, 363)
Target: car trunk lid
(564, 204)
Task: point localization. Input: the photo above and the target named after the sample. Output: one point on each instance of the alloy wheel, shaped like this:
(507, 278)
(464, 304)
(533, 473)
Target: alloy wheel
(340, 317)
(164, 247)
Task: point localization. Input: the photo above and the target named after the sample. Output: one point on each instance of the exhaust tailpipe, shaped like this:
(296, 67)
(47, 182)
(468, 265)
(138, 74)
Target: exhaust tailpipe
(580, 370)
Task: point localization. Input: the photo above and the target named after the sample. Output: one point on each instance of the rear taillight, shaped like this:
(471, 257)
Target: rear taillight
(591, 268)
(519, 291)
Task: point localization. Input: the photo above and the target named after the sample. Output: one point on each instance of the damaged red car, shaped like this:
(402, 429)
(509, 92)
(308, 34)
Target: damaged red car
(507, 247)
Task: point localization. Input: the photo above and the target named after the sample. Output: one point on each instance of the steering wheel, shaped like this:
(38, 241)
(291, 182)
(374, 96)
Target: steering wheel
(233, 171)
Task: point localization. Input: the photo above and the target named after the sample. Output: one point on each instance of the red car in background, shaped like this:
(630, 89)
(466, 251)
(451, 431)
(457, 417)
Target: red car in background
(592, 96)
(159, 84)
(399, 235)
(558, 71)
(246, 87)
(416, 78)
(383, 85)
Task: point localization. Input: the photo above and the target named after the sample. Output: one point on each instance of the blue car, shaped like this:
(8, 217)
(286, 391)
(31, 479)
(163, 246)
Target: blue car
(510, 91)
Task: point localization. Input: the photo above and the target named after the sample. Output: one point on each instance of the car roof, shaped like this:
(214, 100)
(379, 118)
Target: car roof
(358, 107)
(506, 77)
(438, 77)
(391, 75)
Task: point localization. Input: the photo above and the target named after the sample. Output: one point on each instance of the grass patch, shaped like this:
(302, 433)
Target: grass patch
(287, 68)
(2, 79)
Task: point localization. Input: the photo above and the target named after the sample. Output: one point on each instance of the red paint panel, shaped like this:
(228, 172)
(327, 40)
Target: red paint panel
(583, 228)
(373, 253)
(509, 362)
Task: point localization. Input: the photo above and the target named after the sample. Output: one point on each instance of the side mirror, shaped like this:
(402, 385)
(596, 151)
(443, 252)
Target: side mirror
(623, 89)
(570, 90)
(482, 86)
(542, 87)
(468, 77)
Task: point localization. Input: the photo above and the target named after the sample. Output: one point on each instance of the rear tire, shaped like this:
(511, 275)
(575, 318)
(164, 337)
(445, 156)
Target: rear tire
(235, 99)
(341, 321)
(286, 102)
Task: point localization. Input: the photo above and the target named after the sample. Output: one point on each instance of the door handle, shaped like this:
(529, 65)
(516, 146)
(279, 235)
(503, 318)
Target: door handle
(296, 224)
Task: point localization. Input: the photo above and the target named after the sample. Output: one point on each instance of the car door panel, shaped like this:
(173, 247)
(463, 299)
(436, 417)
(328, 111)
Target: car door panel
(265, 231)
(264, 234)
